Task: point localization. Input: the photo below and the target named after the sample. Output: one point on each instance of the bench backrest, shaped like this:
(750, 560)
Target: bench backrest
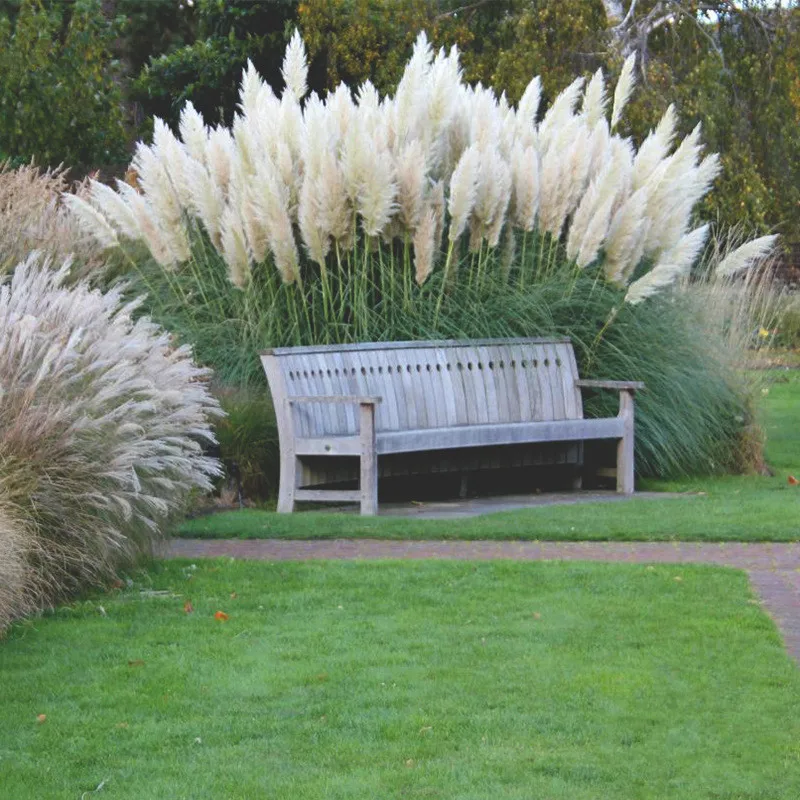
(426, 384)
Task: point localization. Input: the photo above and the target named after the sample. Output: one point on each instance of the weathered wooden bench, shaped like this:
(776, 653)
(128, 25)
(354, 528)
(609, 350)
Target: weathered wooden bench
(376, 399)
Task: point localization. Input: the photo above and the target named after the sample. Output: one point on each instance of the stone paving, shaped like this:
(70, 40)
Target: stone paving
(774, 569)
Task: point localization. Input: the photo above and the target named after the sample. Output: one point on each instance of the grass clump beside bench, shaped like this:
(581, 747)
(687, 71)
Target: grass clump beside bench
(423, 679)
(734, 507)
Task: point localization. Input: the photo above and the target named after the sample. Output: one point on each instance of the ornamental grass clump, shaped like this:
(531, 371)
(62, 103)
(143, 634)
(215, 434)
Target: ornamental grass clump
(33, 217)
(414, 182)
(439, 211)
(102, 428)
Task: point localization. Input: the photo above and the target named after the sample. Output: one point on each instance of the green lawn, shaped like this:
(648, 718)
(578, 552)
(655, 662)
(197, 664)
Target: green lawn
(394, 680)
(747, 508)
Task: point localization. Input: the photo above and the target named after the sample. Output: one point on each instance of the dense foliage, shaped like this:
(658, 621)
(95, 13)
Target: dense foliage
(59, 101)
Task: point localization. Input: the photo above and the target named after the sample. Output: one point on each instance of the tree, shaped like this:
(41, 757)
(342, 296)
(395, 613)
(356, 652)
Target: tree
(59, 101)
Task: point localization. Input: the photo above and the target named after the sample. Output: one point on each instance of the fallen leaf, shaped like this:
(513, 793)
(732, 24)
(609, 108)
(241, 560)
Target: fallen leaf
(41, 717)
(410, 762)
(233, 595)
(188, 607)
(678, 578)
(425, 729)
(121, 725)
(793, 481)
(198, 740)
(136, 663)
(537, 615)
(221, 616)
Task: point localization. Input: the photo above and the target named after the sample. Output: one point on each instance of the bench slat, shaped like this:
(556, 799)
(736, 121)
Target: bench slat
(487, 435)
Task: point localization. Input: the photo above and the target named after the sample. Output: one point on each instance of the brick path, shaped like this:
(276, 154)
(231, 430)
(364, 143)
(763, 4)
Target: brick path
(774, 569)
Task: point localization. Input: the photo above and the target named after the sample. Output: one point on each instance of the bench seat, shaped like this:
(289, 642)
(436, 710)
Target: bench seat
(467, 436)
(385, 398)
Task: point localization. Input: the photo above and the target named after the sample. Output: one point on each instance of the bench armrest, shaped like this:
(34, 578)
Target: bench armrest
(348, 399)
(620, 386)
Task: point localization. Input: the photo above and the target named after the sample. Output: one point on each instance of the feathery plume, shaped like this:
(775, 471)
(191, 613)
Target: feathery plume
(463, 185)
(623, 89)
(91, 221)
(114, 208)
(411, 182)
(234, 248)
(528, 106)
(525, 186)
(595, 100)
(424, 243)
(295, 67)
(193, 132)
(745, 256)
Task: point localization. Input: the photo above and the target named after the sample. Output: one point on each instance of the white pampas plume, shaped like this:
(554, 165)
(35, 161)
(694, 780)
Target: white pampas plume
(234, 248)
(219, 157)
(623, 90)
(172, 154)
(115, 208)
(295, 67)
(376, 198)
(525, 184)
(654, 149)
(595, 234)
(658, 278)
(207, 200)
(559, 114)
(193, 132)
(438, 206)
(443, 81)
(411, 182)
(333, 205)
(315, 237)
(91, 221)
(424, 245)
(673, 265)
(148, 223)
(745, 256)
(463, 184)
(270, 202)
(411, 90)
(627, 230)
(528, 106)
(595, 100)
(249, 89)
(492, 195)
(685, 251)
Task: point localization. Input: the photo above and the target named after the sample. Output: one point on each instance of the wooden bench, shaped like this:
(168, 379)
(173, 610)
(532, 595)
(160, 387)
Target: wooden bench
(376, 399)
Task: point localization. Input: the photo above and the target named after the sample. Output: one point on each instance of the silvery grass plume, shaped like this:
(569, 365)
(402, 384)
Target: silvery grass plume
(32, 216)
(300, 178)
(102, 428)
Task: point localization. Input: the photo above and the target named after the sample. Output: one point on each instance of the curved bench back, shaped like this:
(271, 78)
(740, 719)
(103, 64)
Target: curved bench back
(426, 384)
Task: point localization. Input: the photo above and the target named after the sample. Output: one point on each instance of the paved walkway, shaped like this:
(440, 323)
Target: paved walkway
(774, 569)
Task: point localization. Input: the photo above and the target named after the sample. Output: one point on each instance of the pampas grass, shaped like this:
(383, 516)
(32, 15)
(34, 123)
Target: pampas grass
(102, 427)
(310, 181)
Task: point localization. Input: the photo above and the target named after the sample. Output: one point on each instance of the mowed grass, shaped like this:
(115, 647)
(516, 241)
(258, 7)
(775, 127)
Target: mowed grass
(732, 508)
(404, 680)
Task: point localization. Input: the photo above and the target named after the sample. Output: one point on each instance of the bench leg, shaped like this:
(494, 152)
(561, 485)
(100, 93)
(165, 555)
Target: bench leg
(625, 446)
(369, 461)
(289, 480)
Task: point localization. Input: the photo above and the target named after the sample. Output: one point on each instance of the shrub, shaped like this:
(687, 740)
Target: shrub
(248, 443)
(102, 425)
(439, 211)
